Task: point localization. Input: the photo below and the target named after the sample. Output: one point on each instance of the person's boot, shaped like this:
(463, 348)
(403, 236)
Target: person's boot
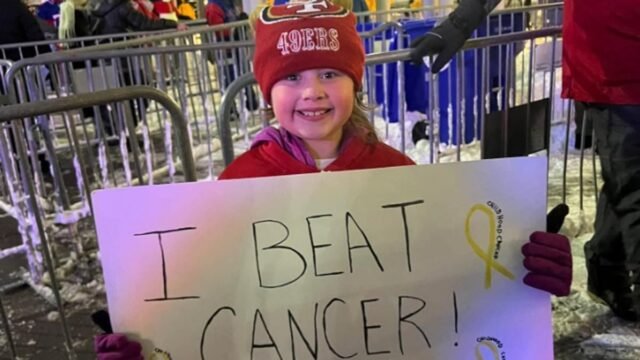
(611, 286)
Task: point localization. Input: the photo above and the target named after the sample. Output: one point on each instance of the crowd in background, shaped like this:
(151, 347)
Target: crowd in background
(49, 13)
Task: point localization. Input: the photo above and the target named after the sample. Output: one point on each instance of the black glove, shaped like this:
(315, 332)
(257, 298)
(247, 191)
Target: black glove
(555, 218)
(102, 320)
(448, 37)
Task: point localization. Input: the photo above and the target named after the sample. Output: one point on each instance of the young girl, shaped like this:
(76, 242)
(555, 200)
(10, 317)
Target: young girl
(309, 63)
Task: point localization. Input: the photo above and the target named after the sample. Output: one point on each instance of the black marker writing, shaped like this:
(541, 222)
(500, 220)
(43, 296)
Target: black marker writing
(367, 327)
(348, 220)
(277, 246)
(315, 246)
(206, 327)
(292, 322)
(402, 206)
(270, 344)
(455, 314)
(164, 266)
(324, 328)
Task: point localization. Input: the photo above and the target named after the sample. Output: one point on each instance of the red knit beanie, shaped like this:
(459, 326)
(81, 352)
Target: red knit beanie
(307, 35)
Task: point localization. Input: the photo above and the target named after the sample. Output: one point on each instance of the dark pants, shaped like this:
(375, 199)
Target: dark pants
(616, 241)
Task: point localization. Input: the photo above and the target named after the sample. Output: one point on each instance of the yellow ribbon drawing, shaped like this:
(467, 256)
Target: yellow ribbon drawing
(487, 256)
(159, 354)
(491, 346)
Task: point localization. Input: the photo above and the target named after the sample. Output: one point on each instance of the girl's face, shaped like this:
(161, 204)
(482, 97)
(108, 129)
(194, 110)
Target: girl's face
(314, 105)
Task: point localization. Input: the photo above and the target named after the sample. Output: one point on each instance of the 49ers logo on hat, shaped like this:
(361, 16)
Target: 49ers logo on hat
(306, 35)
(306, 9)
(308, 39)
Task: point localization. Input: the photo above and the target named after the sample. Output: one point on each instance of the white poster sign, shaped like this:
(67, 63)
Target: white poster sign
(418, 262)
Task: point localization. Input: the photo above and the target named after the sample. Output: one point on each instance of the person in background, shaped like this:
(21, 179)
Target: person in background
(606, 80)
(119, 16)
(49, 11)
(323, 127)
(185, 10)
(220, 12)
(74, 23)
(19, 25)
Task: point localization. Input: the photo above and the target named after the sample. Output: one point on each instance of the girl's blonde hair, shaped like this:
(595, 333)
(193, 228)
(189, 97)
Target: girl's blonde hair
(253, 17)
(359, 124)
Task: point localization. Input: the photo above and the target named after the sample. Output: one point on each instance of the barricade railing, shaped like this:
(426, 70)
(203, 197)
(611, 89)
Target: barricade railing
(26, 203)
(30, 49)
(121, 144)
(226, 62)
(432, 109)
(171, 37)
(232, 63)
(165, 68)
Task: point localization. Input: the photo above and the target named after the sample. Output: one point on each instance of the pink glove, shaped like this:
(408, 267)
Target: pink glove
(117, 347)
(547, 256)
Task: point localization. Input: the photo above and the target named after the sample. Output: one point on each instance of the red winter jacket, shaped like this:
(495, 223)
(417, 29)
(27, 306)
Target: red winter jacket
(269, 159)
(215, 16)
(601, 51)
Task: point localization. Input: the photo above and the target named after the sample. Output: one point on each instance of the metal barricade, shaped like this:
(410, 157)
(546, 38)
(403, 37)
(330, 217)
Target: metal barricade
(182, 71)
(25, 203)
(64, 172)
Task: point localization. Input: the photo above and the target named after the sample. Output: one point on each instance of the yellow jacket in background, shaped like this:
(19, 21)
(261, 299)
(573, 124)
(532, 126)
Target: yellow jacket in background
(187, 11)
